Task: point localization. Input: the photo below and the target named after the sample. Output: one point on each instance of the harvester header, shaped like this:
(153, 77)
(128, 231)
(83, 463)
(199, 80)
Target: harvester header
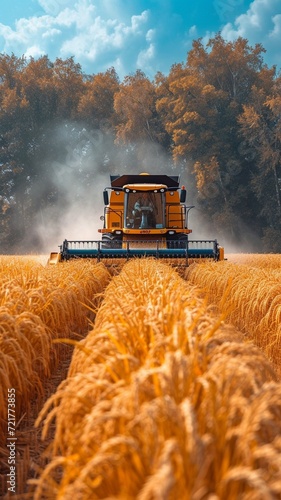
(144, 215)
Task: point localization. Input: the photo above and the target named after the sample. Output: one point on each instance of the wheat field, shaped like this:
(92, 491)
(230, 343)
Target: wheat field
(248, 291)
(173, 391)
(37, 306)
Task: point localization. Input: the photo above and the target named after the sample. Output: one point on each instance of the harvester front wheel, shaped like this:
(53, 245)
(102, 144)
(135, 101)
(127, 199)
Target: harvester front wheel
(177, 241)
(183, 239)
(110, 240)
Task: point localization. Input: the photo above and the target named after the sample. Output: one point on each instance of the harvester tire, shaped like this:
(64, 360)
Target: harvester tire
(110, 240)
(182, 241)
(178, 241)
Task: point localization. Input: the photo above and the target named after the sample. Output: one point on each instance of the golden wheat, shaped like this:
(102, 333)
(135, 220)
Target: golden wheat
(252, 301)
(37, 305)
(262, 261)
(159, 398)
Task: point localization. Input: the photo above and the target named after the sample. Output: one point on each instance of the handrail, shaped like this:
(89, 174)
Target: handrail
(183, 219)
(181, 215)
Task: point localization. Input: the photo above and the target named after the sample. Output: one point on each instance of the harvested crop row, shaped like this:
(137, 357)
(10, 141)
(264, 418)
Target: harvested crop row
(38, 305)
(249, 296)
(160, 401)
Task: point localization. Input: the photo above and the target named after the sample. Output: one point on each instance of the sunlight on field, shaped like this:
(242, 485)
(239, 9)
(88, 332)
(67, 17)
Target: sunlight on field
(168, 388)
(39, 304)
(271, 261)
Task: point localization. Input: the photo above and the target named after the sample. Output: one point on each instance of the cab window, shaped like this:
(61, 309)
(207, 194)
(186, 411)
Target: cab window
(144, 210)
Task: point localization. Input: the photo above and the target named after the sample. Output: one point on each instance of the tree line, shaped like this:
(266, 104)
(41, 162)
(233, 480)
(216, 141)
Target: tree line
(214, 119)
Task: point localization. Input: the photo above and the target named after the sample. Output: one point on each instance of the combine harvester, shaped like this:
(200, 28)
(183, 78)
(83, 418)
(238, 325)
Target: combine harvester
(144, 215)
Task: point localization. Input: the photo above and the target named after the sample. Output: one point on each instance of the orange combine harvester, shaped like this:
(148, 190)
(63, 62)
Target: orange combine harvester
(144, 215)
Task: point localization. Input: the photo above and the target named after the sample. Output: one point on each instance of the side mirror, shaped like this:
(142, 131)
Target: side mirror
(182, 195)
(105, 197)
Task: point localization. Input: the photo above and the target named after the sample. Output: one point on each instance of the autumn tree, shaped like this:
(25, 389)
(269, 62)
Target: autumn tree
(138, 123)
(38, 91)
(96, 112)
(68, 83)
(215, 120)
(96, 105)
(12, 148)
(34, 96)
(261, 127)
(201, 102)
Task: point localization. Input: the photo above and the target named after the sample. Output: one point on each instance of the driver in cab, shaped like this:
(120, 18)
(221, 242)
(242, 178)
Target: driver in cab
(144, 205)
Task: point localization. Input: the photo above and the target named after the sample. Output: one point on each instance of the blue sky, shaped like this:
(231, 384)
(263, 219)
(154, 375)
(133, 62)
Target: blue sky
(134, 34)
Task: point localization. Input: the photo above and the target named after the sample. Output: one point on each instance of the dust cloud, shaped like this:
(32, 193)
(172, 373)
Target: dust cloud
(238, 239)
(76, 169)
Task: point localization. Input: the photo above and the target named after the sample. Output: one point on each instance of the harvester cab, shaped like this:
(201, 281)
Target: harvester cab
(144, 215)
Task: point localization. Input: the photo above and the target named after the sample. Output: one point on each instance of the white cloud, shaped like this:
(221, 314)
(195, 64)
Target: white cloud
(53, 7)
(192, 32)
(145, 57)
(138, 20)
(81, 15)
(102, 36)
(276, 32)
(34, 51)
(133, 35)
(150, 35)
(119, 66)
(80, 30)
(28, 33)
(51, 33)
(260, 24)
(32, 26)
